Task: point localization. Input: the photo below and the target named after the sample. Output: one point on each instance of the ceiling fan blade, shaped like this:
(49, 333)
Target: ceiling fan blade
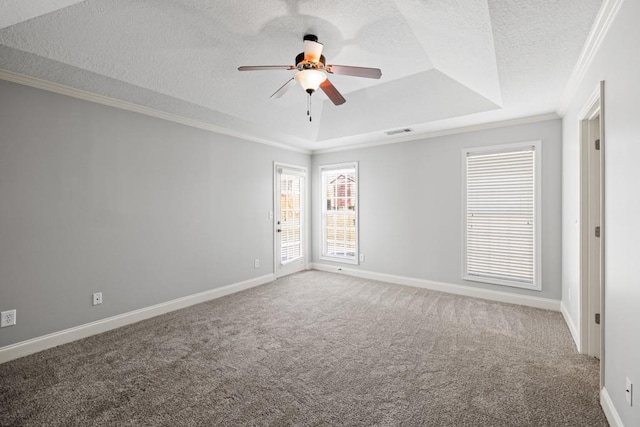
(266, 67)
(312, 50)
(345, 70)
(284, 88)
(330, 90)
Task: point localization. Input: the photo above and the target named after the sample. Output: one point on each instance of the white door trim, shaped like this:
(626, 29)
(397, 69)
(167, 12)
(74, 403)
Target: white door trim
(594, 108)
(306, 215)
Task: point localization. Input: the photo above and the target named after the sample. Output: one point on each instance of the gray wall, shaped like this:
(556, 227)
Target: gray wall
(94, 198)
(411, 207)
(617, 62)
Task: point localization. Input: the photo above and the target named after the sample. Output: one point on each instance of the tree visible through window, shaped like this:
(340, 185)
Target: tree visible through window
(339, 214)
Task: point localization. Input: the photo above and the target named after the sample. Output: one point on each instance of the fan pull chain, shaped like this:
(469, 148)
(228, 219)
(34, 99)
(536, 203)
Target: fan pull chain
(309, 107)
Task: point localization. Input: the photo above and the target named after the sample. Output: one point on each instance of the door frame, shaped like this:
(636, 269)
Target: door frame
(306, 238)
(593, 108)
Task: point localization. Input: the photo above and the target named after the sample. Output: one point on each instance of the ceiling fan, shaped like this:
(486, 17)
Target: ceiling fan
(312, 72)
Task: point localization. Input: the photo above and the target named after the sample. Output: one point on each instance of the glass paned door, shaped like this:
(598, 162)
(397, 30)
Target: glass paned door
(290, 220)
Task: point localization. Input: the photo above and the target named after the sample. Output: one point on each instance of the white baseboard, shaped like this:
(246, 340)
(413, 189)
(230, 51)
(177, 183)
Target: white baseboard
(545, 303)
(572, 326)
(609, 410)
(35, 345)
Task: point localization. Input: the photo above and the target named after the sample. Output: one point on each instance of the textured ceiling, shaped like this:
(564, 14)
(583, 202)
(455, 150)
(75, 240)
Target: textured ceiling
(445, 63)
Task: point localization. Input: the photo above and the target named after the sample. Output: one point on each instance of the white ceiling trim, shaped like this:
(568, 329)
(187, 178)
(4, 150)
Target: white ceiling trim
(129, 106)
(445, 65)
(603, 22)
(445, 132)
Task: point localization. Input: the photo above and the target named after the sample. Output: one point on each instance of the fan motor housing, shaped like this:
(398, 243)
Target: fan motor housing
(301, 64)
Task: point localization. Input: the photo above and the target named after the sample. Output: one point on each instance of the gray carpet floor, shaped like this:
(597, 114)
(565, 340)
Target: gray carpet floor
(315, 349)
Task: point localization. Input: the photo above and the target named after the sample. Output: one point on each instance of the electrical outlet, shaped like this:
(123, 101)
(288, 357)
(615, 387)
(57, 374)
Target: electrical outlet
(256, 263)
(97, 298)
(628, 392)
(8, 318)
(361, 257)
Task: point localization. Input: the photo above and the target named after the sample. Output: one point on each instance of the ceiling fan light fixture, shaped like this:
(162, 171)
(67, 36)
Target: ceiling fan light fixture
(312, 72)
(312, 50)
(310, 80)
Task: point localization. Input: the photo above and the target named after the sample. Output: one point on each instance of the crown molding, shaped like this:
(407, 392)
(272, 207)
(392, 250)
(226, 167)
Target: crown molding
(136, 108)
(601, 26)
(445, 132)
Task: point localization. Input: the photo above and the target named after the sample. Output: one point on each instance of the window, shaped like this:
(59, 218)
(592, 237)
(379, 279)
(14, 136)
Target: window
(290, 214)
(502, 215)
(340, 212)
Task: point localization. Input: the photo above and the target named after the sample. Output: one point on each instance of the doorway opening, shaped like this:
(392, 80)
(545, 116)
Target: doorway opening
(592, 228)
(290, 219)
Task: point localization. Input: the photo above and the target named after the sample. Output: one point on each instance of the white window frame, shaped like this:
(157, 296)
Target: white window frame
(342, 259)
(537, 216)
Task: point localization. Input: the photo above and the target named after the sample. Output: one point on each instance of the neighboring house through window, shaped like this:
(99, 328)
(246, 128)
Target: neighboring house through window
(340, 212)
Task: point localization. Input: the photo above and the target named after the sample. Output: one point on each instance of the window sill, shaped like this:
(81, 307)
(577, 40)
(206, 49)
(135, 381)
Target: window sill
(350, 261)
(502, 282)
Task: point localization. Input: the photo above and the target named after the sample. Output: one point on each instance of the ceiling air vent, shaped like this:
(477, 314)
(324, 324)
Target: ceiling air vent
(397, 131)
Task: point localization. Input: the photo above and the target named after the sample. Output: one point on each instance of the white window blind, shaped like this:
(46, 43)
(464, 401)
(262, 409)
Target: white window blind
(340, 212)
(290, 215)
(501, 216)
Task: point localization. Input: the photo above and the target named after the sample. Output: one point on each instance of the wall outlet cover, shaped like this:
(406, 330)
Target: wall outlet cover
(8, 318)
(97, 298)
